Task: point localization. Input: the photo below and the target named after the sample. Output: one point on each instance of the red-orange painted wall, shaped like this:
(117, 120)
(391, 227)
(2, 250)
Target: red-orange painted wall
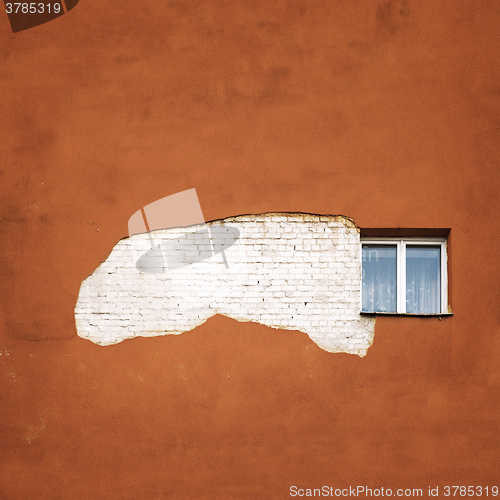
(384, 111)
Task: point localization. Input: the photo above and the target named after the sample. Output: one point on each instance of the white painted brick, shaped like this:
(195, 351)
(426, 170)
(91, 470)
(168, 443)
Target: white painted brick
(291, 271)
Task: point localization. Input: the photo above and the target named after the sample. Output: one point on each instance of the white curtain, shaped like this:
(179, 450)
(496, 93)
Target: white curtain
(423, 279)
(379, 278)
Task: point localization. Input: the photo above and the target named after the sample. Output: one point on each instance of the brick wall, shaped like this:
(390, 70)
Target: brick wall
(291, 271)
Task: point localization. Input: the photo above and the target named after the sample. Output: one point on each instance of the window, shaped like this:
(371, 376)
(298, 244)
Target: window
(404, 276)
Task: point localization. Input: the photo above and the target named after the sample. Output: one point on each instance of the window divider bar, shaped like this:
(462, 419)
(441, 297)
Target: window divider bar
(401, 278)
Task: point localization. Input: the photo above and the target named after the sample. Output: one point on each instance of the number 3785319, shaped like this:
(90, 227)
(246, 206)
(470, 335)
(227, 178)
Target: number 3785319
(32, 8)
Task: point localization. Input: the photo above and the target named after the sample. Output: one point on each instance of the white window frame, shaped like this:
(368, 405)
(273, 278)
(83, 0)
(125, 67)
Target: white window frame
(401, 244)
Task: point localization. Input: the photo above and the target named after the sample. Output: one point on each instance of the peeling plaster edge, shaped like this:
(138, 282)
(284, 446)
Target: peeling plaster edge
(163, 333)
(306, 216)
(349, 222)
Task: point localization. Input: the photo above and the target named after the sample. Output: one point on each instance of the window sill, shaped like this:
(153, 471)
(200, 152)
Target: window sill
(380, 313)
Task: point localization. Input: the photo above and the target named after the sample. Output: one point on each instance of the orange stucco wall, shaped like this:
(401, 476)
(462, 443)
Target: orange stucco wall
(386, 112)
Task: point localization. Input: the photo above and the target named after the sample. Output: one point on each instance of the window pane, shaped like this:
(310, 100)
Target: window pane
(423, 279)
(379, 278)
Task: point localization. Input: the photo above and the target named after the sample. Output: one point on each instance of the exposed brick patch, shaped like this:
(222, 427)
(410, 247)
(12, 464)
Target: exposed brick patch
(291, 271)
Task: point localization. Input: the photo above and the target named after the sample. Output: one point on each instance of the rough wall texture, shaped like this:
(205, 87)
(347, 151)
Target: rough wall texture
(384, 110)
(290, 271)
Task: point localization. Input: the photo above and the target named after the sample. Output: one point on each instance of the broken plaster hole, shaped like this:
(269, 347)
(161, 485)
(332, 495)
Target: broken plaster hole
(283, 270)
